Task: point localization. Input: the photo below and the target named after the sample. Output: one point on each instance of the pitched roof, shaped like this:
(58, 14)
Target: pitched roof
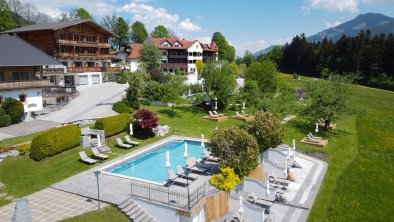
(56, 26)
(135, 51)
(14, 51)
(184, 44)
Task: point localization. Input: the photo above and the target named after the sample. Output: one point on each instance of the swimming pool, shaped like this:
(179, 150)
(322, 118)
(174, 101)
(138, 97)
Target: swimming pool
(150, 166)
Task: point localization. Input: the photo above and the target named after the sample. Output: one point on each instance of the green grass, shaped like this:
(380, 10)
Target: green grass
(16, 140)
(104, 215)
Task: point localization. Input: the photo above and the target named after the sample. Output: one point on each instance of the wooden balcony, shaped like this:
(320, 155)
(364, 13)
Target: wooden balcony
(66, 42)
(52, 70)
(107, 56)
(173, 66)
(23, 84)
(67, 55)
(89, 56)
(177, 56)
(93, 69)
(84, 55)
(83, 43)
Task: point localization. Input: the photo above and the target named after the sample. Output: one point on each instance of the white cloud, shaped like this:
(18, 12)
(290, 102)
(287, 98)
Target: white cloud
(252, 46)
(204, 39)
(152, 16)
(332, 25)
(332, 5)
(282, 41)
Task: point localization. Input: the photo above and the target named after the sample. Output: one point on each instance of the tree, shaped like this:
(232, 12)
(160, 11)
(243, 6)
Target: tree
(267, 130)
(329, 99)
(14, 108)
(236, 149)
(242, 69)
(151, 57)
(121, 29)
(138, 32)
(248, 58)
(234, 68)
(137, 86)
(252, 93)
(265, 74)
(173, 90)
(17, 8)
(6, 20)
(81, 13)
(275, 55)
(199, 66)
(219, 82)
(226, 51)
(109, 22)
(160, 32)
(225, 180)
(144, 121)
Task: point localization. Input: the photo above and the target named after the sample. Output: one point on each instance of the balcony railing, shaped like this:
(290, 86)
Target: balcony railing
(93, 69)
(107, 56)
(83, 43)
(53, 70)
(23, 84)
(177, 56)
(84, 55)
(174, 66)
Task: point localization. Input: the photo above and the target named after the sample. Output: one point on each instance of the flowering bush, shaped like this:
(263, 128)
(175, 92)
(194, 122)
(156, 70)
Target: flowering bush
(226, 180)
(144, 121)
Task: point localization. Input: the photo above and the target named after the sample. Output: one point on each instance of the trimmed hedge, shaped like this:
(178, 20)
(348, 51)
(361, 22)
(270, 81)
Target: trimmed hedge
(14, 108)
(54, 141)
(114, 124)
(5, 120)
(121, 107)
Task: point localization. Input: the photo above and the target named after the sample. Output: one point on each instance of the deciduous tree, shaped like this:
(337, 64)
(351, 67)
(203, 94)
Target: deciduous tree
(265, 74)
(226, 51)
(160, 32)
(150, 57)
(121, 29)
(138, 32)
(82, 13)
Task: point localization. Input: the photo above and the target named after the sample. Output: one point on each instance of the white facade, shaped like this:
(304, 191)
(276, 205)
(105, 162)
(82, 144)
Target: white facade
(194, 54)
(33, 101)
(134, 63)
(89, 78)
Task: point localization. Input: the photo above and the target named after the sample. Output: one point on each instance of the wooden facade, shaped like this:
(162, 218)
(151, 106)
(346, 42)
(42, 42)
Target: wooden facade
(258, 173)
(216, 206)
(12, 78)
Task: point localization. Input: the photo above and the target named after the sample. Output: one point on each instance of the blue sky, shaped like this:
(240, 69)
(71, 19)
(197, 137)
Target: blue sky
(248, 24)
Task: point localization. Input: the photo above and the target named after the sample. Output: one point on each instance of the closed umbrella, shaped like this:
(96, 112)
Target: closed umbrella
(98, 140)
(185, 150)
(168, 164)
(317, 128)
(131, 129)
(202, 140)
(294, 144)
(288, 153)
(267, 184)
(241, 209)
(285, 170)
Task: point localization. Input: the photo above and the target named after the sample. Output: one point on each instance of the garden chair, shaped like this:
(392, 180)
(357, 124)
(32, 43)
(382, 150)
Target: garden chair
(208, 157)
(311, 139)
(86, 159)
(191, 165)
(131, 142)
(121, 144)
(277, 180)
(212, 115)
(315, 137)
(174, 179)
(99, 155)
(182, 173)
(216, 113)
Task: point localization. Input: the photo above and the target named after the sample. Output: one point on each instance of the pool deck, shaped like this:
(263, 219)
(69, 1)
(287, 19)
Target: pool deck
(115, 189)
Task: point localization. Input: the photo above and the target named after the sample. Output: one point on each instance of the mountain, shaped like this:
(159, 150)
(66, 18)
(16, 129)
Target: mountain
(264, 51)
(376, 23)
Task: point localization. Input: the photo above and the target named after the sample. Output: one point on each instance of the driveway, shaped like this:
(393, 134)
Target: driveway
(94, 101)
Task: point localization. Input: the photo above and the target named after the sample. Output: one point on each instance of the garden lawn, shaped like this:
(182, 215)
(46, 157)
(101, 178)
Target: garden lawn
(104, 215)
(358, 185)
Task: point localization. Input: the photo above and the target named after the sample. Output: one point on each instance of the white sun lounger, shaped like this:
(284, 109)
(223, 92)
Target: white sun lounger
(121, 144)
(182, 173)
(212, 115)
(131, 142)
(216, 113)
(191, 165)
(86, 159)
(175, 179)
(99, 155)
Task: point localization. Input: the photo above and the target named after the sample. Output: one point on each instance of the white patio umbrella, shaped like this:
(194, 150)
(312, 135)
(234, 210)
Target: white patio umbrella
(294, 148)
(98, 140)
(288, 153)
(263, 216)
(185, 150)
(241, 209)
(317, 128)
(131, 128)
(216, 103)
(243, 105)
(202, 140)
(168, 164)
(285, 170)
(267, 184)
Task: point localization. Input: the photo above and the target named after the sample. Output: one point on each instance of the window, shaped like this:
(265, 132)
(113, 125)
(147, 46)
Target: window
(65, 64)
(22, 98)
(20, 76)
(90, 39)
(52, 79)
(2, 77)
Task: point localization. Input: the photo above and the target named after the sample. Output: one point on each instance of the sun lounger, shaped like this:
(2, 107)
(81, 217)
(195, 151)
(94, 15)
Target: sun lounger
(99, 155)
(258, 201)
(131, 142)
(182, 173)
(280, 181)
(86, 159)
(191, 165)
(208, 157)
(216, 113)
(121, 144)
(310, 139)
(280, 198)
(315, 137)
(174, 179)
(212, 115)
(238, 217)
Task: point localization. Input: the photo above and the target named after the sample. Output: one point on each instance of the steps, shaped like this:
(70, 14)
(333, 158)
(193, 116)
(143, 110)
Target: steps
(135, 212)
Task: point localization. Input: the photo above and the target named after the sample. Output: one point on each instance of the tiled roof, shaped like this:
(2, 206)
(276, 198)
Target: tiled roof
(135, 51)
(184, 44)
(14, 51)
(56, 26)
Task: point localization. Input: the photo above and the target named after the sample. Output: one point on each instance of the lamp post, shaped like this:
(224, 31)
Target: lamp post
(187, 173)
(97, 173)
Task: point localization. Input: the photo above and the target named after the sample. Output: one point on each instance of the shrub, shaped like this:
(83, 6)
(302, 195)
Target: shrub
(121, 107)
(5, 120)
(24, 148)
(14, 108)
(226, 180)
(114, 124)
(54, 141)
(2, 111)
(267, 130)
(236, 149)
(144, 121)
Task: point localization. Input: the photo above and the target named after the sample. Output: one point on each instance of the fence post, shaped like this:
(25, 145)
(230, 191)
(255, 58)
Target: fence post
(168, 196)
(149, 191)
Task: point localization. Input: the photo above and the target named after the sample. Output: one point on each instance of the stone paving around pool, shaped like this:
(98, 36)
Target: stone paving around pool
(52, 205)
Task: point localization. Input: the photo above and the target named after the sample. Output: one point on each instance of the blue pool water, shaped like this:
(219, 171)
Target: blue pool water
(151, 165)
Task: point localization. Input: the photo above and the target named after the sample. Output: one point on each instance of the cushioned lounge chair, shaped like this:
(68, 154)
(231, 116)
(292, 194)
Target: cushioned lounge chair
(208, 157)
(99, 155)
(191, 165)
(259, 201)
(174, 179)
(131, 142)
(182, 173)
(86, 159)
(121, 144)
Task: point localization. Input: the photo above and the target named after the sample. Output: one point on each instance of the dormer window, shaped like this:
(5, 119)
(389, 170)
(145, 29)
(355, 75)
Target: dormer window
(166, 44)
